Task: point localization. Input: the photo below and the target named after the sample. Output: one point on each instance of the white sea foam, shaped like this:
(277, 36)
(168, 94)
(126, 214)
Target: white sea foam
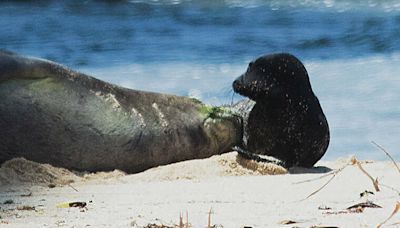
(339, 5)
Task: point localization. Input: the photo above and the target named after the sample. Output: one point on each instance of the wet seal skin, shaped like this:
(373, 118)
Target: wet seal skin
(287, 121)
(52, 114)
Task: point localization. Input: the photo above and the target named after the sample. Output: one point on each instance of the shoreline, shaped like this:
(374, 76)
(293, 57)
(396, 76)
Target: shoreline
(237, 198)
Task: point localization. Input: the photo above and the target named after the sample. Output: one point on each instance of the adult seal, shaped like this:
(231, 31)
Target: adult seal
(52, 114)
(287, 121)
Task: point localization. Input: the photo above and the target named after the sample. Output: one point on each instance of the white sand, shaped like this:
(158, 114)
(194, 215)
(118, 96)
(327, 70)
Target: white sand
(240, 193)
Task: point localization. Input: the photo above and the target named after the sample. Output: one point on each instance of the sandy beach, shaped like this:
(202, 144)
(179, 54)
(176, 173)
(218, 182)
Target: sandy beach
(239, 193)
(165, 89)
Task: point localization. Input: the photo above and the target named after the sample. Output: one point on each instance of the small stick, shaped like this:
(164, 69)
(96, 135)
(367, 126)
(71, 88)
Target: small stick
(333, 176)
(187, 219)
(354, 161)
(374, 181)
(73, 187)
(315, 192)
(314, 179)
(323, 176)
(391, 188)
(396, 209)
(387, 153)
(209, 218)
(180, 220)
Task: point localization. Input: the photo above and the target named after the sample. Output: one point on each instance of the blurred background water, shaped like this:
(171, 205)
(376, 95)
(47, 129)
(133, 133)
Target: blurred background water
(351, 49)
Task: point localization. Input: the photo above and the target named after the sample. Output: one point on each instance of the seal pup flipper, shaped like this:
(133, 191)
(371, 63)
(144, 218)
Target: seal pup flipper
(257, 157)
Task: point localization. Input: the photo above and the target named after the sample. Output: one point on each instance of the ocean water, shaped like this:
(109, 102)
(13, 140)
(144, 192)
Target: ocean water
(196, 48)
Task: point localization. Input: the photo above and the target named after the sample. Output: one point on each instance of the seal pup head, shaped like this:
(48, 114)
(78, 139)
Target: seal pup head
(287, 121)
(273, 76)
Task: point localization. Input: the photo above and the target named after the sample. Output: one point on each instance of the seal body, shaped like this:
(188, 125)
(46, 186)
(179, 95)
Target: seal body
(51, 114)
(286, 121)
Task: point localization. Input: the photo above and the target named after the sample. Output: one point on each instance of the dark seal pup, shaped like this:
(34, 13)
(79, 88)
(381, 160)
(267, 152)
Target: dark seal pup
(287, 121)
(52, 114)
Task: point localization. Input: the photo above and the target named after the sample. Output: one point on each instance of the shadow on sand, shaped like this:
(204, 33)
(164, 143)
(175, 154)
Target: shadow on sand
(316, 170)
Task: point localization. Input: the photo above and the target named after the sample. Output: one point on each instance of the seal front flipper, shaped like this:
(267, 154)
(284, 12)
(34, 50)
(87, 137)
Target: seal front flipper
(257, 157)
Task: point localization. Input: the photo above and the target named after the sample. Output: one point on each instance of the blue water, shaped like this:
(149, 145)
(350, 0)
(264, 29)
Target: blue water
(196, 48)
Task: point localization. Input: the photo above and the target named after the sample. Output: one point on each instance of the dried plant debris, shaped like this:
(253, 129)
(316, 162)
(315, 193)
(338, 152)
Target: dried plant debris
(26, 208)
(26, 195)
(333, 174)
(396, 209)
(156, 226)
(375, 183)
(9, 201)
(72, 204)
(209, 218)
(152, 225)
(366, 193)
(323, 186)
(181, 221)
(364, 205)
(186, 224)
(187, 220)
(287, 222)
(324, 227)
(76, 190)
(180, 224)
(352, 211)
(391, 188)
(356, 208)
(353, 162)
(51, 185)
(324, 208)
(387, 154)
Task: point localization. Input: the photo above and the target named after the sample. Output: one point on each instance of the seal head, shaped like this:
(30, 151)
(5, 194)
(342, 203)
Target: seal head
(287, 121)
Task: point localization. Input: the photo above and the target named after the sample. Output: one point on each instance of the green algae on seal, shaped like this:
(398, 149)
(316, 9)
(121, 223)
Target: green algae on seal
(52, 114)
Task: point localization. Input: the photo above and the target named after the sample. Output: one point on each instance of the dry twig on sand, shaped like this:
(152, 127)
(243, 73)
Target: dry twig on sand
(333, 175)
(187, 219)
(396, 209)
(387, 154)
(209, 218)
(180, 220)
(73, 187)
(323, 186)
(354, 161)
